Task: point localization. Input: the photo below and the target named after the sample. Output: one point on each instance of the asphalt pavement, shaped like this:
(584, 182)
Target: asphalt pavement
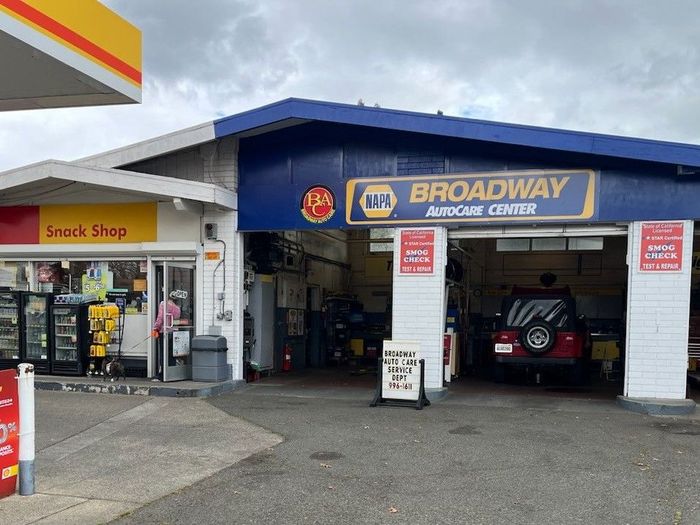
(472, 458)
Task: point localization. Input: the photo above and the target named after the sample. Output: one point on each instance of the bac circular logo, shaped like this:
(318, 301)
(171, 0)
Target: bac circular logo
(318, 204)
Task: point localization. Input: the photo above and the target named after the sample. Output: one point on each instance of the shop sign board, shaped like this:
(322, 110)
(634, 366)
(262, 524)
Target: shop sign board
(401, 372)
(401, 378)
(661, 247)
(504, 196)
(9, 432)
(98, 223)
(417, 252)
(79, 223)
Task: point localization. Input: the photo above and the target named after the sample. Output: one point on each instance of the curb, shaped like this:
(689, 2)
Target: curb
(436, 394)
(156, 390)
(657, 407)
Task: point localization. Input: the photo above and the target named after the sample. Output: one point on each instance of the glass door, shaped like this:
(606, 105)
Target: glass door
(65, 326)
(9, 326)
(36, 323)
(175, 317)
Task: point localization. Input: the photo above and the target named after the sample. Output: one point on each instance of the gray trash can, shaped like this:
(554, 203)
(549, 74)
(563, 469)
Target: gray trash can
(209, 358)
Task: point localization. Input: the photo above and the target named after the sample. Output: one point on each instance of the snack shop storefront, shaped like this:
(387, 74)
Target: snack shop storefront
(92, 238)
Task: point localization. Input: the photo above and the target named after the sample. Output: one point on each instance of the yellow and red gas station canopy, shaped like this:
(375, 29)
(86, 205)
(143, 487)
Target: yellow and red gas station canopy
(66, 53)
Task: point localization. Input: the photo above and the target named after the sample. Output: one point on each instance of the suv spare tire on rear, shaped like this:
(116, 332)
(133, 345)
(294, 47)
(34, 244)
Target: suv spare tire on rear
(538, 336)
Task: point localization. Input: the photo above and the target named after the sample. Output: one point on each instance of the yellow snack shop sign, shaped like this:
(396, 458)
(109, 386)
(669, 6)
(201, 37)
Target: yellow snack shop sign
(98, 223)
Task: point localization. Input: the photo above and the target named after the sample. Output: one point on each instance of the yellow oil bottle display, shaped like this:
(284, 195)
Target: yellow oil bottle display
(103, 321)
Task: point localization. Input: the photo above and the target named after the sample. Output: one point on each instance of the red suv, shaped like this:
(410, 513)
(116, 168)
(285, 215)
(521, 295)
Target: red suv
(538, 328)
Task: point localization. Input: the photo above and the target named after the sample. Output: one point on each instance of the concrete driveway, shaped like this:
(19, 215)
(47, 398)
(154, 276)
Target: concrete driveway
(100, 456)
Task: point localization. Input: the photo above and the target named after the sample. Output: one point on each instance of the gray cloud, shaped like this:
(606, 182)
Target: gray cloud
(614, 66)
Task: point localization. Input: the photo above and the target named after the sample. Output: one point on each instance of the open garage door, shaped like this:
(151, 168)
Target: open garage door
(539, 307)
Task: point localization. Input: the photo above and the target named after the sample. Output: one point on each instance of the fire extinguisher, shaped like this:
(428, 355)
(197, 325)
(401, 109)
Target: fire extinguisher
(287, 358)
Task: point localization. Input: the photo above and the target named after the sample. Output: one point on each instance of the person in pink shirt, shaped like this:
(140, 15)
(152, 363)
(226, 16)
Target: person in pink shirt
(167, 313)
(171, 309)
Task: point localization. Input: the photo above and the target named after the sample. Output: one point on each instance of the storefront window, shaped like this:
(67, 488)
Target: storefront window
(88, 278)
(14, 275)
(381, 233)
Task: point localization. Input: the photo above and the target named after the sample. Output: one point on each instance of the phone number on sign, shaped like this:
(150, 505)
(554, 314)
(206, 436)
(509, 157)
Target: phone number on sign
(400, 386)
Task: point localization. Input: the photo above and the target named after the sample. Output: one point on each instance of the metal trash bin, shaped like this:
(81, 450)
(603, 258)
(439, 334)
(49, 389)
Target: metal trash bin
(209, 358)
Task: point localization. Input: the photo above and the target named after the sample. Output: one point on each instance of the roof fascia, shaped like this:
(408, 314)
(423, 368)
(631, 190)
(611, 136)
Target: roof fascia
(471, 129)
(168, 187)
(155, 147)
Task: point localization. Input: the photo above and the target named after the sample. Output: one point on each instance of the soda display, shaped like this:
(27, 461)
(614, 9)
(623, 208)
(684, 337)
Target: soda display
(9, 328)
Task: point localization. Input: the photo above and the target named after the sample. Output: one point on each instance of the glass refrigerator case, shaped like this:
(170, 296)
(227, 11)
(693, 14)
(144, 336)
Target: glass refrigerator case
(67, 337)
(10, 333)
(36, 330)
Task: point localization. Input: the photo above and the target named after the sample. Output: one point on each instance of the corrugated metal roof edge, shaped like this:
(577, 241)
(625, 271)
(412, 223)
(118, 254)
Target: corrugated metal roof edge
(458, 127)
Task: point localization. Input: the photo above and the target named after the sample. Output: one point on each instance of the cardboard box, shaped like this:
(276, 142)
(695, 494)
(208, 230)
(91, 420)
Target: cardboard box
(605, 351)
(357, 346)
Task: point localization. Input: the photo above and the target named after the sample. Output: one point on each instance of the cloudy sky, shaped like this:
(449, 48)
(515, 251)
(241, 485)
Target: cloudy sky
(627, 67)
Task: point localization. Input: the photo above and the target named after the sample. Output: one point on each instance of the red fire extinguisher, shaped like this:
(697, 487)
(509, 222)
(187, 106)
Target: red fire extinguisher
(287, 358)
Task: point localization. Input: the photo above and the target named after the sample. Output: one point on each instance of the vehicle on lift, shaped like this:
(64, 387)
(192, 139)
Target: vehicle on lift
(538, 330)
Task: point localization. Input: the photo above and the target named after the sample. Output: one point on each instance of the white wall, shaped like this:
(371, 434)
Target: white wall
(174, 225)
(213, 162)
(657, 324)
(229, 277)
(418, 310)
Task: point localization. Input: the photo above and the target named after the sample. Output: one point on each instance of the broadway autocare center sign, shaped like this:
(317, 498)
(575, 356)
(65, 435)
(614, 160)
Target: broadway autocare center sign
(9, 432)
(417, 252)
(400, 370)
(661, 247)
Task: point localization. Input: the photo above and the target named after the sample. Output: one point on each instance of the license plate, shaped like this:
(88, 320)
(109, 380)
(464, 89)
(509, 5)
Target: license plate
(504, 348)
(337, 354)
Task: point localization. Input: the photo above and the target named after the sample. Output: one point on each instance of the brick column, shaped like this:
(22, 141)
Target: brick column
(658, 305)
(418, 307)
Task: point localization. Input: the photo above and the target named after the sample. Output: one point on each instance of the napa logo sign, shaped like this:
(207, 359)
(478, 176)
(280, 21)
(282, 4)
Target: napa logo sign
(378, 201)
(511, 196)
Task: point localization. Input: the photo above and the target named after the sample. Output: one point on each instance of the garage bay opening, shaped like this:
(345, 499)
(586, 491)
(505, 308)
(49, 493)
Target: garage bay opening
(538, 308)
(318, 305)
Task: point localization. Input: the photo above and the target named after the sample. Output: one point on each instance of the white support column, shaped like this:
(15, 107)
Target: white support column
(418, 304)
(25, 384)
(223, 275)
(658, 305)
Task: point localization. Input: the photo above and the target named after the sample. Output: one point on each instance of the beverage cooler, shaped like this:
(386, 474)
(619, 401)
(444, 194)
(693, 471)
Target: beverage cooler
(10, 329)
(36, 324)
(70, 339)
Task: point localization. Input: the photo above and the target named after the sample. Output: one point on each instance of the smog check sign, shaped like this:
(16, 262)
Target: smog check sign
(417, 252)
(661, 247)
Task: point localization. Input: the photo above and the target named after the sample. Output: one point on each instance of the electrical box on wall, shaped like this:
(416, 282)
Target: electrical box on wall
(292, 261)
(210, 230)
